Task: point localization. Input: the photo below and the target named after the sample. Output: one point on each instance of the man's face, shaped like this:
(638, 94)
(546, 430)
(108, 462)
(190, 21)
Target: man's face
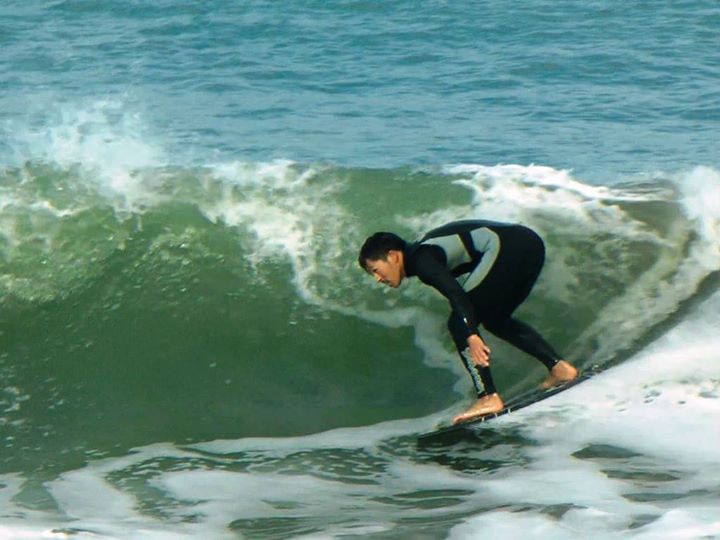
(389, 271)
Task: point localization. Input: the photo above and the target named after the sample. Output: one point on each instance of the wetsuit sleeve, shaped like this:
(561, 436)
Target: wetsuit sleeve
(434, 273)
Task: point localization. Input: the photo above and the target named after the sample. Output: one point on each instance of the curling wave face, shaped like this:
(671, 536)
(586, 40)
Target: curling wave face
(130, 296)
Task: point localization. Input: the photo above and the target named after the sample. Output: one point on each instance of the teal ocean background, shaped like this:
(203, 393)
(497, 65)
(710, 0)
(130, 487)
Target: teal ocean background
(188, 349)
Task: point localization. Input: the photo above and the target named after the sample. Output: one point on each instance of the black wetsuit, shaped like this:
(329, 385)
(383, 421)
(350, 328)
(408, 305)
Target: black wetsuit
(486, 270)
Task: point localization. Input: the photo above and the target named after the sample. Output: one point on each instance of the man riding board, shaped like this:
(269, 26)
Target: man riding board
(485, 269)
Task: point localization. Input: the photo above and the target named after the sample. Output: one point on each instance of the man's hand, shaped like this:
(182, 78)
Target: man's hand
(479, 351)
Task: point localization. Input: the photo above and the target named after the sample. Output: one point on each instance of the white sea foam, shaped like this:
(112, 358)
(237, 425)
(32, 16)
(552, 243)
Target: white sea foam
(661, 402)
(559, 182)
(105, 140)
(701, 200)
(20, 532)
(102, 134)
(664, 407)
(287, 215)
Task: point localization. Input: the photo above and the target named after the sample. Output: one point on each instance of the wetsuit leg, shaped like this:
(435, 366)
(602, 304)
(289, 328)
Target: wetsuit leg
(524, 337)
(481, 376)
(506, 287)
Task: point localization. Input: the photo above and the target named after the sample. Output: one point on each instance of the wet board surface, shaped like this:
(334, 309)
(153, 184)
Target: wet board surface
(518, 402)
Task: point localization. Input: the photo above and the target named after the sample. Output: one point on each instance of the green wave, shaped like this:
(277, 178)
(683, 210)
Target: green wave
(187, 304)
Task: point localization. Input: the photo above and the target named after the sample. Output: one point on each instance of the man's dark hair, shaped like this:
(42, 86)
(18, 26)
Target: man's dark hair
(377, 246)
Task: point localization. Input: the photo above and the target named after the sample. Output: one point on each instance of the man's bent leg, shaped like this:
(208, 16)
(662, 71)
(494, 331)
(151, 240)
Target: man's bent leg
(528, 340)
(481, 376)
(524, 337)
(488, 400)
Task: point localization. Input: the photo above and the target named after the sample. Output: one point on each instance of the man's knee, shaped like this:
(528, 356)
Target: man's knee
(496, 325)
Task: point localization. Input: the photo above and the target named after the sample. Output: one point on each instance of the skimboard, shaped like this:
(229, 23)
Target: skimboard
(514, 404)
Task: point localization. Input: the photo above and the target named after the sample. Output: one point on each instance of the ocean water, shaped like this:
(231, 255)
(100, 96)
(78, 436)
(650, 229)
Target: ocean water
(188, 349)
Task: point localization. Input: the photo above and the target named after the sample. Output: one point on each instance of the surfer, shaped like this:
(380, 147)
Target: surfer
(485, 269)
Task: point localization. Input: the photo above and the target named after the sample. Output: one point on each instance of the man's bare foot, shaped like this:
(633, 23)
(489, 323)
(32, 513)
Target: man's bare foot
(485, 405)
(561, 373)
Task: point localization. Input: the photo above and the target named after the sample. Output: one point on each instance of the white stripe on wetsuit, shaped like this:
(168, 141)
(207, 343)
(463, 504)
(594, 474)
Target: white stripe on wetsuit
(485, 241)
(474, 375)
